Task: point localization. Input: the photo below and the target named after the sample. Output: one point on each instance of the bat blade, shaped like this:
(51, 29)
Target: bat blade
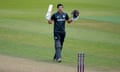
(50, 8)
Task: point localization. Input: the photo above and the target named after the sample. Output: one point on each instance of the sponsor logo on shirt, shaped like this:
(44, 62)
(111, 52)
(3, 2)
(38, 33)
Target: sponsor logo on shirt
(60, 19)
(63, 16)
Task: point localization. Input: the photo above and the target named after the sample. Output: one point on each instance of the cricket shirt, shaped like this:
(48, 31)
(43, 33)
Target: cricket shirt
(59, 21)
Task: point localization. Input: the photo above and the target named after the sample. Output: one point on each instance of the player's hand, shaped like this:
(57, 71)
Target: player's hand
(48, 15)
(49, 21)
(69, 21)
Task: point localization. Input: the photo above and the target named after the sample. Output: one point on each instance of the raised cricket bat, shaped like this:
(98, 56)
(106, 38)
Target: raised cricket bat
(48, 14)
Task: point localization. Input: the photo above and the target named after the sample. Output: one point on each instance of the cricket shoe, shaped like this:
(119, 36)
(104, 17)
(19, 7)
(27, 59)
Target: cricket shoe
(58, 60)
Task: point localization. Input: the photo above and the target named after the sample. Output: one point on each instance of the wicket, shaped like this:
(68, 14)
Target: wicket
(80, 62)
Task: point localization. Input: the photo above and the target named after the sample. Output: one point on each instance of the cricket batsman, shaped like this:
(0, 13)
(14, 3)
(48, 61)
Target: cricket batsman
(59, 18)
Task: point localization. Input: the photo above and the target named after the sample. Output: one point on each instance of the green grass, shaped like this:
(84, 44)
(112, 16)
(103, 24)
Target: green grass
(24, 32)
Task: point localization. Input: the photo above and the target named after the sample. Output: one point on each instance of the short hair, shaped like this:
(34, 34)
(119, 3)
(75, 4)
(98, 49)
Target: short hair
(59, 5)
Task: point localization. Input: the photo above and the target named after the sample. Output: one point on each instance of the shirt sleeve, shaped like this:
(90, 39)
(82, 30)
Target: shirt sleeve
(67, 17)
(53, 17)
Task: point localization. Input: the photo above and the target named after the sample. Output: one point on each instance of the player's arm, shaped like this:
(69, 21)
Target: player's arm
(67, 19)
(75, 16)
(49, 18)
(49, 21)
(52, 18)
